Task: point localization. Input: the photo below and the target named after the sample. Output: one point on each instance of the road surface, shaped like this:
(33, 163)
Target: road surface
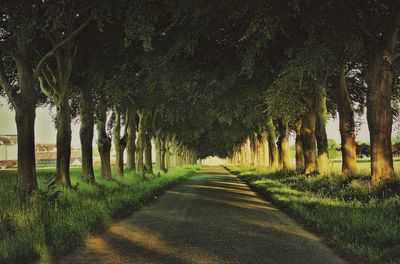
(212, 217)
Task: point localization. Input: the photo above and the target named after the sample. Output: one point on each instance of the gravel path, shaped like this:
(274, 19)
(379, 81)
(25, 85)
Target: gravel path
(211, 218)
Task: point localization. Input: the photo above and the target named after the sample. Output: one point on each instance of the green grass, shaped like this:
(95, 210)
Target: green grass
(40, 230)
(360, 221)
(363, 165)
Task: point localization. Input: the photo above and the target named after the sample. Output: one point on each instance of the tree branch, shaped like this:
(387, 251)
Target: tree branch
(48, 92)
(50, 82)
(60, 45)
(393, 34)
(71, 61)
(10, 91)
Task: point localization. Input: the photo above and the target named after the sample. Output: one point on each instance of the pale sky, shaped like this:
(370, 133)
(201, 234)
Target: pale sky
(46, 133)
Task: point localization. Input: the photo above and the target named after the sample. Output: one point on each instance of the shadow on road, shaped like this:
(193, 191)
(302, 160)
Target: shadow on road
(211, 218)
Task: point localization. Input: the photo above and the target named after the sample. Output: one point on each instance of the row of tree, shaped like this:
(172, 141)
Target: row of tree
(327, 56)
(211, 77)
(88, 59)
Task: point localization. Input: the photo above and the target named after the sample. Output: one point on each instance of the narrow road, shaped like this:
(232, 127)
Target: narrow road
(211, 218)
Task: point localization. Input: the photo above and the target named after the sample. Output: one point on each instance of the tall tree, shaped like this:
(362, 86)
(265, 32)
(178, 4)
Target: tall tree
(346, 123)
(65, 24)
(21, 39)
(119, 142)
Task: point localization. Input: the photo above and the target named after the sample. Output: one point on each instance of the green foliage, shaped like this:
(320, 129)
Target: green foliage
(360, 221)
(333, 148)
(363, 150)
(52, 224)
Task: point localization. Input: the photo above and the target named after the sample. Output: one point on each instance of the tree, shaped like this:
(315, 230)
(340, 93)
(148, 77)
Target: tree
(299, 145)
(104, 140)
(346, 123)
(380, 81)
(55, 72)
(21, 33)
(119, 142)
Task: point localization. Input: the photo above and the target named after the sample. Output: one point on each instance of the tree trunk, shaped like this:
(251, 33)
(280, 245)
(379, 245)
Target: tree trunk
(63, 141)
(167, 149)
(131, 139)
(308, 138)
(274, 155)
(253, 148)
(284, 143)
(264, 149)
(158, 151)
(103, 143)
(379, 111)
(24, 102)
(322, 139)
(25, 120)
(147, 153)
(299, 145)
(119, 144)
(86, 135)
(163, 165)
(140, 145)
(346, 124)
(379, 116)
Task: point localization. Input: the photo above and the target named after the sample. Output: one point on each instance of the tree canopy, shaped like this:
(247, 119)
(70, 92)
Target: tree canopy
(203, 78)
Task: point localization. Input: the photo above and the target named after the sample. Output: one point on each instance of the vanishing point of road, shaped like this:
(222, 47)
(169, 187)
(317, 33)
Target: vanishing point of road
(212, 217)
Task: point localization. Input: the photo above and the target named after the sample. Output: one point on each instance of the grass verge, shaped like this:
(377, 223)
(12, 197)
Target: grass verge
(41, 229)
(359, 221)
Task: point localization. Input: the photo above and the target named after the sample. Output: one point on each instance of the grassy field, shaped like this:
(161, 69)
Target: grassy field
(41, 229)
(363, 165)
(360, 221)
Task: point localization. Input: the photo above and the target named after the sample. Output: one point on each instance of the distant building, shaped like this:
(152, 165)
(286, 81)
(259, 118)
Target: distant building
(8, 151)
(8, 147)
(45, 154)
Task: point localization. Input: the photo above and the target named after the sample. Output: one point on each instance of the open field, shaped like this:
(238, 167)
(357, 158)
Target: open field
(54, 222)
(360, 221)
(363, 165)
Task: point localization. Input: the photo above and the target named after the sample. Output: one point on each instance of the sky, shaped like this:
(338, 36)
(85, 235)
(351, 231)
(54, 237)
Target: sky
(46, 133)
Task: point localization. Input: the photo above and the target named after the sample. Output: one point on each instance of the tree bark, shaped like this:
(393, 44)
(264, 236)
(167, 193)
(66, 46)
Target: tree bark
(103, 143)
(264, 149)
(25, 120)
(158, 151)
(24, 102)
(299, 146)
(25, 113)
(119, 143)
(167, 149)
(147, 153)
(308, 138)
(131, 139)
(58, 89)
(346, 124)
(140, 145)
(119, 163)
(284, 143)
(86, 135)
(379, 111)
(163, 150)
(322, 139)
(63, 141)
(274, 155)
(379, 116)
(253, 148)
